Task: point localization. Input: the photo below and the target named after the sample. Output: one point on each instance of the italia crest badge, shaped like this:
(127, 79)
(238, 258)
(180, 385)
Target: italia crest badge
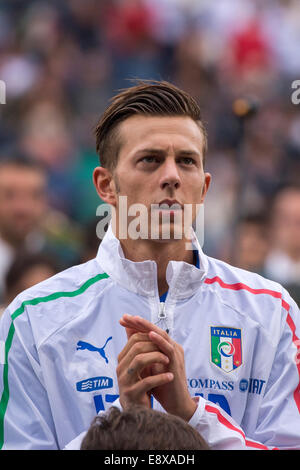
(226, 347)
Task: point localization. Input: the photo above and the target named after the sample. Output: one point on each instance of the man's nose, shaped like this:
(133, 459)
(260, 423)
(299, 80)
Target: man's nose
(170, 175)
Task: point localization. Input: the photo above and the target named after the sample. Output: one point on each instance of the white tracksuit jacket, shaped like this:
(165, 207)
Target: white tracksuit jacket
(60, 340)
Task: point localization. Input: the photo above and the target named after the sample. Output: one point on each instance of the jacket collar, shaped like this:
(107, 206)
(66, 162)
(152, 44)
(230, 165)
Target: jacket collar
(141, 277)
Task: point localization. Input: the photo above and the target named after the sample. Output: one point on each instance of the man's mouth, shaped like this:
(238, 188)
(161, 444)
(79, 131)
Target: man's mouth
(170, 205)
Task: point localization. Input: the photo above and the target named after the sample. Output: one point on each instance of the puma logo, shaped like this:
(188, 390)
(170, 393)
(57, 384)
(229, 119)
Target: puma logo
(83, 345)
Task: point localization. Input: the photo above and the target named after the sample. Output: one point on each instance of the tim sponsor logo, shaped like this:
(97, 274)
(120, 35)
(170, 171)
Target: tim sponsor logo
(94, 383)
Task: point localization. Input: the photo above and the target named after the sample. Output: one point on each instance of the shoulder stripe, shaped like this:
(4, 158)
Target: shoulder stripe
(241, 286)
(8, 342)
(58, 295)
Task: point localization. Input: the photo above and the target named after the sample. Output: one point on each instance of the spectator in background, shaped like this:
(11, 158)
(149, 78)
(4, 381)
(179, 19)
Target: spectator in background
(252, 243)
(22, 206)
(283, 261)
(26, 271)
(46, 137)
(27, 222)
(139, 428)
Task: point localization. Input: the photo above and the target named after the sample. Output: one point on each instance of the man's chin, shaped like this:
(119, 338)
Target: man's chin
(167, 234)
(165, 240)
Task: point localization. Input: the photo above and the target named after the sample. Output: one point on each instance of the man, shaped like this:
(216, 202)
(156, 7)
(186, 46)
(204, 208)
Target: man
(22, 205)
(151, 321)
(283, 261)
(252, 243)
(26, 271)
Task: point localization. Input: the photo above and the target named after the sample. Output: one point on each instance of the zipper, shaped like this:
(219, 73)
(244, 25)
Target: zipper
(162, 312)
(162, 316)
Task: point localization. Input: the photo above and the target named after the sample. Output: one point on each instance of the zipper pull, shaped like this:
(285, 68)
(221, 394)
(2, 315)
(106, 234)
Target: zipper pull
(161, 313)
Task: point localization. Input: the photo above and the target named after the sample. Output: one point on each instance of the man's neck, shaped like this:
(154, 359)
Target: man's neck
(160, 252)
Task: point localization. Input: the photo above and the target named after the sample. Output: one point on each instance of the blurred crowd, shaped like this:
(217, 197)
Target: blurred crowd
(62, 60)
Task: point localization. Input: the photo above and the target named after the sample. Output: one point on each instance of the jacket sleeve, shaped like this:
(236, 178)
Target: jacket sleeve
(219, 430)
(278, 423)
(25, 415)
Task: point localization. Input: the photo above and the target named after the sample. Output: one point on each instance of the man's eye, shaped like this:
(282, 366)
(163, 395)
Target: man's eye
(187, 160)
(149, 159)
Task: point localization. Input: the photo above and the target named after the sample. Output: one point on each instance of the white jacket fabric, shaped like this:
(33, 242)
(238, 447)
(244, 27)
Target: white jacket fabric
(60, 339)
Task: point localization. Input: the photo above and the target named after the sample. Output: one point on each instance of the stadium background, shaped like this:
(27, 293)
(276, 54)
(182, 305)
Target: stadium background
(62, 60)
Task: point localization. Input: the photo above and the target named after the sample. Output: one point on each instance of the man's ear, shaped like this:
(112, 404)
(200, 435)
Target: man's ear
(105, 185)
(207, 180)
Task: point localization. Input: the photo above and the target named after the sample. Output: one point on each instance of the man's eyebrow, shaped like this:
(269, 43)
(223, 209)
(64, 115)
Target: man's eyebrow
(153, 151)
(162, 153)
(188, 153)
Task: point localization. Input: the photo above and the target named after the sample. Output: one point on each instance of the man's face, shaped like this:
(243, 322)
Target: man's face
(161, 161)
(22, 201)
(286, 222)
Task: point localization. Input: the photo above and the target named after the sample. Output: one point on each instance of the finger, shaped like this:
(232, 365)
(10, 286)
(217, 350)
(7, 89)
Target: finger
(164, 345)
(129, 321)
(151, 382)
(129, 331)
(139, 363)
(137, 337)
(135, 349)
(156, 334)
(142, 325)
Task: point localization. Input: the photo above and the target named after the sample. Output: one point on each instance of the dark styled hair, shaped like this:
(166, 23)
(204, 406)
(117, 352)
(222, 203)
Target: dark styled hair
(140, 428)
(147, 98)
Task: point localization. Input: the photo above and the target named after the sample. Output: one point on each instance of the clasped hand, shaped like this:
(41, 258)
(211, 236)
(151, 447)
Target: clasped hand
(152, 363)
